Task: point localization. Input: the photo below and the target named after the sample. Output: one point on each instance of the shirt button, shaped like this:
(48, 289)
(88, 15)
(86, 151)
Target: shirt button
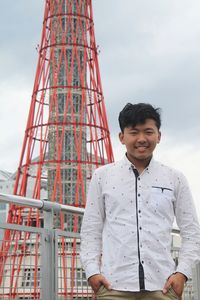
(142, 262)
(139, 211)
(138, 178)
(138, 195)
(140, 228)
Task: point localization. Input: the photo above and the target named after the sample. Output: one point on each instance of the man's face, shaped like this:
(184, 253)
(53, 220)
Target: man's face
(141, 140)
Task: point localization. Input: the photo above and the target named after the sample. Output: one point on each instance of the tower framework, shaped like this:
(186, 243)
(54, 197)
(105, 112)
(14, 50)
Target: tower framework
(67, 133)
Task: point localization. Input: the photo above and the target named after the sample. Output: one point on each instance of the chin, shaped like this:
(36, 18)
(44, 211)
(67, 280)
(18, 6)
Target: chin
(144, 157)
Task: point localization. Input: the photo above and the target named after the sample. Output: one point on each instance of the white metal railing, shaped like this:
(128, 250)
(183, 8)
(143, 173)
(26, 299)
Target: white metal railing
(40, 204)
(58, 275)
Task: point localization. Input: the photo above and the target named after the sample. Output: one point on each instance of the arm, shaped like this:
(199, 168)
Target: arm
(91, 232)
(187, 222)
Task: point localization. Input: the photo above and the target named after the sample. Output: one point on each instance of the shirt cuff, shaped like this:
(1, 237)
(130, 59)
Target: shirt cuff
(91, 270)
(184, 269)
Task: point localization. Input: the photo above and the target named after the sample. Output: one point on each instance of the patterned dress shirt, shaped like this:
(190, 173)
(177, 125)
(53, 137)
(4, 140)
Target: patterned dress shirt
(126, 229)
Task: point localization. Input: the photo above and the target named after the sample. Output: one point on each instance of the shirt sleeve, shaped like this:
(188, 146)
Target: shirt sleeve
(188, 224)
(92, 227)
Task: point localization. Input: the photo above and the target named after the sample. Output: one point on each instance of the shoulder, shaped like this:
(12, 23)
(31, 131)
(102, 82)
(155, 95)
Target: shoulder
(169, 171)
(107, 168)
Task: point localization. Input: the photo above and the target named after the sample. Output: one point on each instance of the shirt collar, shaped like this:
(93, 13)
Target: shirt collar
(129, 164)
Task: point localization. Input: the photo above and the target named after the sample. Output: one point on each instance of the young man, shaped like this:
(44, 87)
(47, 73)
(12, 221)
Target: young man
(126, 230)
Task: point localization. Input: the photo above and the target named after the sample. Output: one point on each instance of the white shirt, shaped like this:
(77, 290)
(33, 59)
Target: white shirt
(128, 222)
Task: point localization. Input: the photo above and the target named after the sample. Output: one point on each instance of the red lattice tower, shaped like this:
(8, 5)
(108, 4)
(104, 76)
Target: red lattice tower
(67, 133)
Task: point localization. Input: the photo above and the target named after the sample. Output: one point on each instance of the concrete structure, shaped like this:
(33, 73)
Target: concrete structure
(6, 186)
(68, 112)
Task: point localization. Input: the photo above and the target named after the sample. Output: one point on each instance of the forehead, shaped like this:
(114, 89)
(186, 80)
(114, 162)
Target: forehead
(148, 123)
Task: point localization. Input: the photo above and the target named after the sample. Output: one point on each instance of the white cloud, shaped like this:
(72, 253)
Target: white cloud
(15, 102)
(186, 158)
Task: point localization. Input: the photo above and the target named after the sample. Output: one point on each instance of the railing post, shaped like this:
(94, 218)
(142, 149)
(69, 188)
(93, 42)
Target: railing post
(196, 281)
(48, 258)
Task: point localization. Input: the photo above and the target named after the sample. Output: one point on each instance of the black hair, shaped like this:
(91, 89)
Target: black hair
(133, 114)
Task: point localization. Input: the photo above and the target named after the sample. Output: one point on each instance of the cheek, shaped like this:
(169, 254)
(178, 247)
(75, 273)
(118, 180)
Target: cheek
(154, 140)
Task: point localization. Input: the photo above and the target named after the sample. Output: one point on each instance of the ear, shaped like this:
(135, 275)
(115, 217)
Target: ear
(121, 137)
(159, 137)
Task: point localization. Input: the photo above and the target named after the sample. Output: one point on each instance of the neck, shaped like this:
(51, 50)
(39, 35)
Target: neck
(140, 165)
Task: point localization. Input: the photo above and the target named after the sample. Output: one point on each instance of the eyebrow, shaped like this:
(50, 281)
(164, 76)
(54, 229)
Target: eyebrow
(146, 129)
(152, 129)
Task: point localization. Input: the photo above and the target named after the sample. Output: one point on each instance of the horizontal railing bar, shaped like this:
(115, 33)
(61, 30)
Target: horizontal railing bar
(40, 204)
(19, 200)
(67, 234)
(72, 209)
(21, 228)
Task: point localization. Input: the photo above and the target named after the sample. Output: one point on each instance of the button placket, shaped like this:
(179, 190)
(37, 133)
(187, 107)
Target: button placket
(139, 201)
(140, 225)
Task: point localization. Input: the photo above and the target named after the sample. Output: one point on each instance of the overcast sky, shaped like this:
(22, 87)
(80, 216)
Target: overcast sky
(149, 52)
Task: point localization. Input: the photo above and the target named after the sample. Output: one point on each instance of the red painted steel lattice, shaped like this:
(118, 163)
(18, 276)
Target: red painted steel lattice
(66, 137)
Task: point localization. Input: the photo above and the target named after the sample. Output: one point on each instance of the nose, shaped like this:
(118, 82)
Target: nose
(141, 138)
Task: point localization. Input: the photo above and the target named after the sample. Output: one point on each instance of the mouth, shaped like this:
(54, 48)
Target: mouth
(141, 148)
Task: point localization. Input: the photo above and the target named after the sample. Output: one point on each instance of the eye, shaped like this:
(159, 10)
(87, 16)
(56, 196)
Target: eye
(149, 132)
(134, 132)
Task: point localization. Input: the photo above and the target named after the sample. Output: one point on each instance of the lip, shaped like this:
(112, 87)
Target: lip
(141, 149)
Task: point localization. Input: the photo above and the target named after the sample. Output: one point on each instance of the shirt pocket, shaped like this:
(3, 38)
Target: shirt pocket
(162, 200)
